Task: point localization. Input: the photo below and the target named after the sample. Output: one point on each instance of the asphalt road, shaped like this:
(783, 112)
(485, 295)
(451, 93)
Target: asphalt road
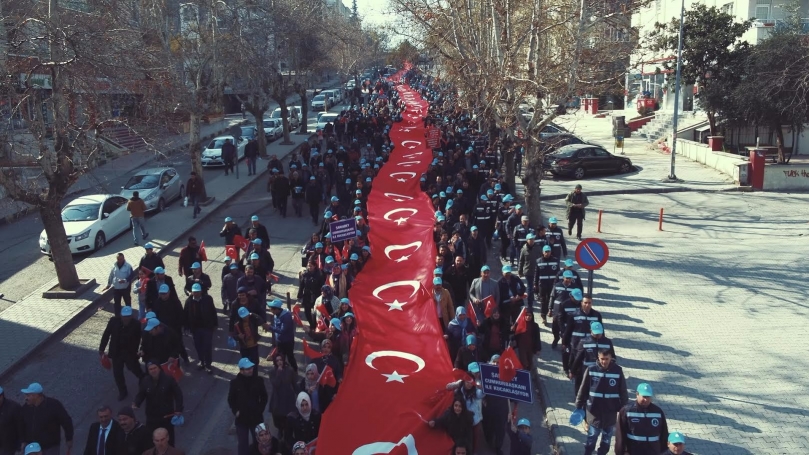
(21, 238)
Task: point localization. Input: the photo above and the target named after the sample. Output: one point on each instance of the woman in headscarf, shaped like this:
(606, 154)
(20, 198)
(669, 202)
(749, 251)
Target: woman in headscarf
(495, 332)
(459, 327)
(321, 395)
(330, 359)
(345, 307)
(332, 333)
(283, 379)
(456, 421)
(265, 443)
(299, 448)
(349, 332)
(303, 424)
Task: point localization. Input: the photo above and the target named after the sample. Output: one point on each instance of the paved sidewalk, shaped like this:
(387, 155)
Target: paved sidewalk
(704, 315)
(653, 165)
(33, 320)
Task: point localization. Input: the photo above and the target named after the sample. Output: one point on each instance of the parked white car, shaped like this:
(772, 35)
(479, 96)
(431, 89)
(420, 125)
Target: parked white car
(320, 103)
(273, 128)
(294, 117)
(212, 155)
(90, 221)
(157, 187)
(324, 118)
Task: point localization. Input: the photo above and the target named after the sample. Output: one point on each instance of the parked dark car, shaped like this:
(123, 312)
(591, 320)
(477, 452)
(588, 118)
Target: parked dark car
(580, 160)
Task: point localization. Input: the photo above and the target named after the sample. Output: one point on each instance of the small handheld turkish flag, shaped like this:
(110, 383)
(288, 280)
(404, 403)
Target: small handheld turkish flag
(232, 252)
(241, 242)
(309, 352)
(321, 308)
(296, 314)
(471, 314)
(508, 365)
(321, 325)
(489, 307)
(521, 326)
(327, 377)
(147, 271)
(106, 362)
(203, 256)
(273, 353)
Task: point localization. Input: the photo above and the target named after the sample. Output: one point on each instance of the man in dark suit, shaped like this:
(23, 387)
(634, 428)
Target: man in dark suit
(105, 437)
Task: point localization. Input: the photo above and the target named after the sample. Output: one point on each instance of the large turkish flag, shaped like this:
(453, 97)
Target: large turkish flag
(399, 368)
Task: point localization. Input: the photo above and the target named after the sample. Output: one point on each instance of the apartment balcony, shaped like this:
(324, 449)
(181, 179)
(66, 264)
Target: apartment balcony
(762, 28)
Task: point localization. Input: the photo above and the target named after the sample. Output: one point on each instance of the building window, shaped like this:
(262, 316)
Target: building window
(727, 8)
(763, 12)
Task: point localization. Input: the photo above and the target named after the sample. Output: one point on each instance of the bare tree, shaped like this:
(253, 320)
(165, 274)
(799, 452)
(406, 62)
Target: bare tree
(66, 63)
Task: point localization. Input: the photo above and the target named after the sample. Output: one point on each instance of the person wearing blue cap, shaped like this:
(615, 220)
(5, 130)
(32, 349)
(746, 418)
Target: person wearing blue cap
(41, 419)
(229, 231)
(602, 395)
(150, 260)
(230, 286)
(245, 331)
(247, 399)
(468, 354)
(561, 319)
(504, 212)
(483, 217)
(471, 392)
(520, 233)
(512, 292)
(676, 444)
(443, 300)
(283, 327)
(197, 277)
(577, 327)
(556, 238)
(482, 288)
(297, 192)
(642, 426)
(529, 268)
(123, 335)
(520, 436)
(576, 201)
(569, 265)
(585, 354)
(309, 288)
(561, 294)
(201, 320)
(261, 231)
(313, 196)
(163, 398)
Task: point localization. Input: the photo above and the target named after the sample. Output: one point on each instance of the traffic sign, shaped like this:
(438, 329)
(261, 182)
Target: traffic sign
(592, 253)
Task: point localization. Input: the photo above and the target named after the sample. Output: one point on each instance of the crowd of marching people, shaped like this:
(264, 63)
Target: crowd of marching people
(478, 221)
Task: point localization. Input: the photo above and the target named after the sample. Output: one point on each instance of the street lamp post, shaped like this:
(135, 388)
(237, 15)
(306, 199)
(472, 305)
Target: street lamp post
(672, 175)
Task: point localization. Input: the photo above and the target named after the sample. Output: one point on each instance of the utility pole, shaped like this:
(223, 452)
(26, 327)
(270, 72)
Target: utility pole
(672, 175)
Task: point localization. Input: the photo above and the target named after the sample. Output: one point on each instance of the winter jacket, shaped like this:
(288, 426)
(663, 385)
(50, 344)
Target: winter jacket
(284, 390)
(200, 314)
(9, 427)
(300, 429)
(247, 396)
(162, 395)
(44, 423)
(124, 339)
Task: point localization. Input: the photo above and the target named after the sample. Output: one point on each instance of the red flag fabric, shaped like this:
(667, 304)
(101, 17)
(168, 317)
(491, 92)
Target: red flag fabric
(309, 352)
(241, 242)
(489, 306)
(203, 256)
(321, 308)
(508, 365)
(520, 326)
(232, 252)
(321, 325)
(296, 314)
(471, 314)
(311, 448)
(172, 368)
(272, 354)
(146, 270)
(327, 377)
(400, 357)
(106, 363)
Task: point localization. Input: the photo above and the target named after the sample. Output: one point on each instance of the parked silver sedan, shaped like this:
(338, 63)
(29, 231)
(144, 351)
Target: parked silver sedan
(156, 186)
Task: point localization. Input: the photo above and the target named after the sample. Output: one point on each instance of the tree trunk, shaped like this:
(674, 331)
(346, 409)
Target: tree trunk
(282, 103)
(60, 250)
(712, 121)
(779, 141)
(261, 139)
(510, 177)
(195, 147)
(304, 111)
(531, 184)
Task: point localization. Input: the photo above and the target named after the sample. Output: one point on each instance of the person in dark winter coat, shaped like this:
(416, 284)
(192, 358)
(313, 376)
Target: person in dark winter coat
(495, 417)
(247, 399)
(309, 289)
(163, 398)
(136, 438)
(467, 354)
(456, 421)
(495, 332)
(303, 424)
(520, 435)
(230, 230)
(284, 390)
(527, 343)
(123, 334)
(266, 443)
(159, 342)
(42, 420)
(201, 320)
(9, 425)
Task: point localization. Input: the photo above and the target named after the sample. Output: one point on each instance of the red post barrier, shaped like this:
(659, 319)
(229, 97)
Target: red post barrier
(660, 220)
(600, 212)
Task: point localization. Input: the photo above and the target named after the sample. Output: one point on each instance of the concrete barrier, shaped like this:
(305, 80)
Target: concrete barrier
(727, 163)
(792, 177)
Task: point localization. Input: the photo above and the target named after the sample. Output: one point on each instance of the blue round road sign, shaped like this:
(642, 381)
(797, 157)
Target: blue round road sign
(592, 253)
